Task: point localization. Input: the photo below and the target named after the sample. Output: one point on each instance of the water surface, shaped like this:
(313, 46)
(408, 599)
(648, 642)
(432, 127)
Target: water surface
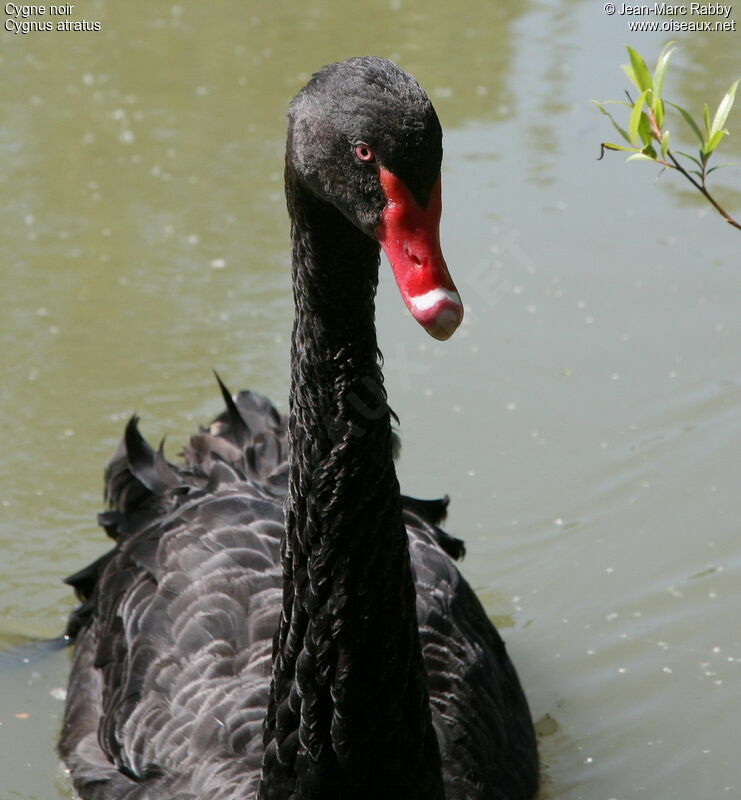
(586, 419)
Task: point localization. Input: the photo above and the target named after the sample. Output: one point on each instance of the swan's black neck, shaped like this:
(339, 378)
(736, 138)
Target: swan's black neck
(349, 712)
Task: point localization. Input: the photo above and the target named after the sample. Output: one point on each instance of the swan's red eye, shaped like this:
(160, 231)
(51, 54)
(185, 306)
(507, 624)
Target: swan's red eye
(364, 153)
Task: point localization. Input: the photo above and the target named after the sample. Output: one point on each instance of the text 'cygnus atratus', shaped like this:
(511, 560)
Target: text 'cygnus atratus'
(275, 620)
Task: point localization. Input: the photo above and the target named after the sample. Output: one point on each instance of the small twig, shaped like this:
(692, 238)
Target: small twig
(701, 188)
(655, 130)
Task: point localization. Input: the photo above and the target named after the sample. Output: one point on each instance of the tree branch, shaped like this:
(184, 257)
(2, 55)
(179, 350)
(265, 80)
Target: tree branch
(701, 188)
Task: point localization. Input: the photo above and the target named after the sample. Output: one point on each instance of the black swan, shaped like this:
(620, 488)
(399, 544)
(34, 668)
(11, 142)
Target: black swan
(275, 620)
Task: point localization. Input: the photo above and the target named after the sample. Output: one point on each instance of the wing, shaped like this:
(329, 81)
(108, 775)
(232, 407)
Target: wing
(174, 633)
(171, 670)
(479, 710)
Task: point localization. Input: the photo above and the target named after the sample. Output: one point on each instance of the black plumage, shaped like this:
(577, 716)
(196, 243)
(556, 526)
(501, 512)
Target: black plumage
(276, 620)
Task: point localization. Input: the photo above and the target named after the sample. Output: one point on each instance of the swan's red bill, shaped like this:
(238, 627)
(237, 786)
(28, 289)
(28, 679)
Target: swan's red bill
(409, 235)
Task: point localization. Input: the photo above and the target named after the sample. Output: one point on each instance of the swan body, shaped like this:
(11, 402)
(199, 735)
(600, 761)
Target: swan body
(276, 621)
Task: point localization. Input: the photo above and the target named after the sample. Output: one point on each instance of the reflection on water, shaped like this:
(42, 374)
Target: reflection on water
(585, 420)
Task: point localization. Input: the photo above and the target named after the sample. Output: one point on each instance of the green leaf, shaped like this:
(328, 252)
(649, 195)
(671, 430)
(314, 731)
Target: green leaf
(644, 130)
(660, 70)
(714, 141)
(640, 157)
(688, 119)
(718, 166)
(612, 146)
(706, 115)
(664, 144)
(640, 70)
(635, 117)
(617, 127)
(658, 109)
(631, 75)
(691, 158)
(724, 108)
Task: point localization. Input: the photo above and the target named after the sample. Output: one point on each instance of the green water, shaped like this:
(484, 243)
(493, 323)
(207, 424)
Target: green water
(586, 420)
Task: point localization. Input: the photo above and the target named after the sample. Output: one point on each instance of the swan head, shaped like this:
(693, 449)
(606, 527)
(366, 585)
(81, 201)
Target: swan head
(364, 136)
